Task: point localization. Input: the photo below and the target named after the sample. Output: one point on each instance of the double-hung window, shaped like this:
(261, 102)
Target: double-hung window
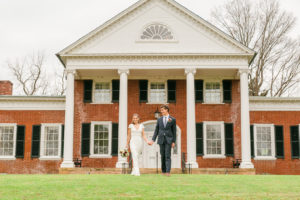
(7, 140)
(264, 141)
(102, 92)
(101, 139)
(50, 141)
(212, 92)
(157, 92)
(214, 139)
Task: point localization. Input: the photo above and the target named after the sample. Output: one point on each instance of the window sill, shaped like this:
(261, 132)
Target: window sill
(265, 158)
(214, 157)
(160, 103)
(50, 158)
(7, 158)
(213, 103)
(105, 103)
(100, 156)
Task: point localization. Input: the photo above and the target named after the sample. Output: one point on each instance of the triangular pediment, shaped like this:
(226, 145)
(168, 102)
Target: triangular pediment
(156, 26)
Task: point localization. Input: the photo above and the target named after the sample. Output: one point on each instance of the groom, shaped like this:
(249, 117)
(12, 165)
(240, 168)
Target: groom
(166, 132)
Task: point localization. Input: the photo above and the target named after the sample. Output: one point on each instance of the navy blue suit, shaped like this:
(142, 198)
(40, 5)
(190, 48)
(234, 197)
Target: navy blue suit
(166, 136)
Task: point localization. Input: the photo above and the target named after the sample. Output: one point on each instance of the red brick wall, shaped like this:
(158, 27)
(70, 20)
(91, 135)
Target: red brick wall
(30, 165)
(287, 119)
(85, 113)
(6, 88)
(229, 113)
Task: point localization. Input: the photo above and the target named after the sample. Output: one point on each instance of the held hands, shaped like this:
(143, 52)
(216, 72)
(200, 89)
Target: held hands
(173, 145)
(150, 142)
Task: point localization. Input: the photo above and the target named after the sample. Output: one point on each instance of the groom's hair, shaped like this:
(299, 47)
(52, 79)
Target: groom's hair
(165, 107)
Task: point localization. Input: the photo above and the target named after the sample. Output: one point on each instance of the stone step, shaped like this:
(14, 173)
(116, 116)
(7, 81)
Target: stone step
(85, 170)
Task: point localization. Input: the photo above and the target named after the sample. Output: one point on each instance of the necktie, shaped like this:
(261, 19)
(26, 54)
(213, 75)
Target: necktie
(165, 121)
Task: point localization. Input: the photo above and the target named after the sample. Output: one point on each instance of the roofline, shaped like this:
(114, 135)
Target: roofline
(31, 98)
(60, 59)
(154, 54)
(136, 5)
(272, 99)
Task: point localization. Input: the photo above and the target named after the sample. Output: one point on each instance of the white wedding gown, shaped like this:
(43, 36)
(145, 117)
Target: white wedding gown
(136, 146)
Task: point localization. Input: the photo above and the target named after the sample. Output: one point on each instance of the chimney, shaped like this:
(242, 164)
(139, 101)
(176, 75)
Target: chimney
(6, 88)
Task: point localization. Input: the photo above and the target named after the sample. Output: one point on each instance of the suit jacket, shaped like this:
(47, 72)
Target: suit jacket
(167, 133)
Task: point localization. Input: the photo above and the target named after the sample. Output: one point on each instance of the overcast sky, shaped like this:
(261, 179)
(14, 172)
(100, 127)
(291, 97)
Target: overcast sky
(51, 25)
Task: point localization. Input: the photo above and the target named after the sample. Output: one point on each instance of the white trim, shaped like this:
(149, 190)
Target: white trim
(13, 157)
(166, 90)
(94, 90)
(93, 123)
(221, 123)
(32, 103)
(42, 144)
(274, 103)
(272, 157)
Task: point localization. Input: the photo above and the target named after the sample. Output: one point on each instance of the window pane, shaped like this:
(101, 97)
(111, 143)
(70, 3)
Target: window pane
(263, 141)
(157, 92)
(212, 92)
(102, 92)
(6, 140)
(213, 140)
(101, 139)
(51, 141)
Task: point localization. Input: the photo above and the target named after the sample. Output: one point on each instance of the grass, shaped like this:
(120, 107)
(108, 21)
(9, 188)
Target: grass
(83, 187)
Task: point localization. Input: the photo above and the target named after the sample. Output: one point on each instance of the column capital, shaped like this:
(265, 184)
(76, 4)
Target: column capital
(241, 71)
(70, 71)
(190, 70)
(121, 71)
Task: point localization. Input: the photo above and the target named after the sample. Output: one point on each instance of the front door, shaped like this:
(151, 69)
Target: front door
(151, 154)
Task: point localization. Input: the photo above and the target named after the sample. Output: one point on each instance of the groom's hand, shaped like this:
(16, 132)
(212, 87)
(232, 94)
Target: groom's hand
(150, 142)
(173, 145)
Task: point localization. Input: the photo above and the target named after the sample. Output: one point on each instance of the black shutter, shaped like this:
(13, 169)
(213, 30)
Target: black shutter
(227, 87)
(171, 91)
(199, 139)
(199, 91)
(85, 139)
(115, 90)
(252, 140)
(20, 141)
(143, 90)
(35, 145)
(115, 139)
(229, 144)
(295, 141)
(62, 140)
(88, 90)
(279, 141)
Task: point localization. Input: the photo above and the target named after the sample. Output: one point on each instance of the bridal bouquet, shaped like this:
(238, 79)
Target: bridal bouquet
(124, 153)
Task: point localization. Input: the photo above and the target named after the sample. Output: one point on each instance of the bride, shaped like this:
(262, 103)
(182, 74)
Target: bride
(135, 138)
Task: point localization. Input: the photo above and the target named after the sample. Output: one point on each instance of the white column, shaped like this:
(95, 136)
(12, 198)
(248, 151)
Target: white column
(190, 118)
(123, 114)
(245, 120)
(69, 121)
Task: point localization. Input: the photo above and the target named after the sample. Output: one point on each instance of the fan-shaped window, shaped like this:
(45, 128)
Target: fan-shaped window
(157, 32)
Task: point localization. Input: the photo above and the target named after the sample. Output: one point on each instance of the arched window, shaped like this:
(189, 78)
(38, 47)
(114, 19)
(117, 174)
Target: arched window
(157, 32)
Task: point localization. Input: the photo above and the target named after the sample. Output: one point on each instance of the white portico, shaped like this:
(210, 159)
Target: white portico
(157, 39)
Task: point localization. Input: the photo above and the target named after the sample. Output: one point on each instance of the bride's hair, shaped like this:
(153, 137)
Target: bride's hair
(136, 115)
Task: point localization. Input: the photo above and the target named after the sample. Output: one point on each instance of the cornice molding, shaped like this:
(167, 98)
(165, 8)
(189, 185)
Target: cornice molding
(32, 103)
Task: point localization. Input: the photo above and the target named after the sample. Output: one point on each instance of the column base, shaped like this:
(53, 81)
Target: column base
(120, 164)
(192, 164)
(67, 164)
(246, 165)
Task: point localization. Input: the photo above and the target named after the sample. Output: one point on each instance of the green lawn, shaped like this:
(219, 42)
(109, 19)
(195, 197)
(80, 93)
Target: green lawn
(148, 187)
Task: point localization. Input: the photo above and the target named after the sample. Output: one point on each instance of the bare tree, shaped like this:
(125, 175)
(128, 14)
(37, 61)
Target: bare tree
(30, 74)
(264, 27)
